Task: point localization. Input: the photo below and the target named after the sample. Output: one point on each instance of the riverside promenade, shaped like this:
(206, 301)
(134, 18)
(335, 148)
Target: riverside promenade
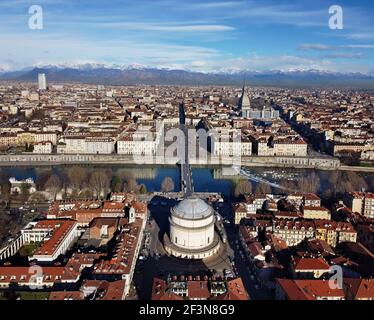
(322, 163)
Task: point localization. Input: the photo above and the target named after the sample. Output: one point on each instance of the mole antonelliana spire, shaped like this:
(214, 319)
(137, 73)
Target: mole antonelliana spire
(244, 102)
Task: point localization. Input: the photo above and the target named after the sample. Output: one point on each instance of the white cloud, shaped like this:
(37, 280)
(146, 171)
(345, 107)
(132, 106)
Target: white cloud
(53, 48)
(279, 14)
(359, 46)
(216, 5)
(56, 48)
(344, 55)
(361, 36)
(168, 27)
(323, 47)
(255, 62)
(315, 46)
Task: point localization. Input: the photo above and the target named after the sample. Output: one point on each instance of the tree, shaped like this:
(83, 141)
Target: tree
(129, 182)
(357, 181)
(126, 175)
(37, 197)
(116, 184)
(77, 177)
(85, 194)
(4, 186)
(131, 185)
(99, 182)
(344, 186)
(288, 184)
(29, 147)
(310, 184)
(333, 182)
(5, 189)
(262, 188)
(243, 187)
(350, 181)
(25, 191)
(167, 185)
(54, 185)
(42, 179)
(65, 183)
(143, 189)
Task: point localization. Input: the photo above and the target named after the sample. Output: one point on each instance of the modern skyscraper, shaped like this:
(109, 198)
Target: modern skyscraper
(42, 82)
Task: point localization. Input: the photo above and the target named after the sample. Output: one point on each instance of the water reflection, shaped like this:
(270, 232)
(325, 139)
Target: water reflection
(204, 179)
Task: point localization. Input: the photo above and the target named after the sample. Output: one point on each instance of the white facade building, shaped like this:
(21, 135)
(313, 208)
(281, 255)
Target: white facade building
(99, 145)
(226, 142)
(289, 148)
(144, 141)
(232, 148)
(56, 236)
(43, 148)
(86, 145)
(192, 233)
(44, 136)
(131, 146)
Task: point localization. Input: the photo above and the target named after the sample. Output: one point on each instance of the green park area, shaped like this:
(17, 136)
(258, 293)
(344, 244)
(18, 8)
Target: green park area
(24, 295)
(28, 249)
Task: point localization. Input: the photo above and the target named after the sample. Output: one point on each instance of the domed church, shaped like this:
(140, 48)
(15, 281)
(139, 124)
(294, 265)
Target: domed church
(192, 233)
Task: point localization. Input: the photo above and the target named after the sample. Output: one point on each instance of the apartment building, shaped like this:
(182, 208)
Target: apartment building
(8, 140)
(366, 235)
(56, 237)
(310, 212)
(309, 267)
(335, 232)
(289, 289)
(145, 140)
(43, 147)
(311, 200)
(361, 202)
(293, 232)
(290, 147)
(86, 145)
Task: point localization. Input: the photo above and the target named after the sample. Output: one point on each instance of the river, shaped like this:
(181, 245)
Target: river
(204, 179)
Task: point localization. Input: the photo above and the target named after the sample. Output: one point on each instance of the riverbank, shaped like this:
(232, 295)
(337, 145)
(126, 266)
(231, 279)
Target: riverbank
(321, 163)
(357, 168)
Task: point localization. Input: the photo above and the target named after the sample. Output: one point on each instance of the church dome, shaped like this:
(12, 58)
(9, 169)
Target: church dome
(245, 102)
(192, 234)
(192, 208)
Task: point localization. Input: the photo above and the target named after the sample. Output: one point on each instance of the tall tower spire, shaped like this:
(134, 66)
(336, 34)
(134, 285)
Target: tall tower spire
(244, 102)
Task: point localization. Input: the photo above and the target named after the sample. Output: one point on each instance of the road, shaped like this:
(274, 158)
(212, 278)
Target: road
(186, 175)
(243, 268)
(158, 264)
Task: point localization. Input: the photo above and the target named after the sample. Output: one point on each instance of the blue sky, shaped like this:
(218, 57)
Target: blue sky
(205, 35)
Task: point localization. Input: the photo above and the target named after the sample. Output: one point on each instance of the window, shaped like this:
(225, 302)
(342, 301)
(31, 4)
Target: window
(176, 240)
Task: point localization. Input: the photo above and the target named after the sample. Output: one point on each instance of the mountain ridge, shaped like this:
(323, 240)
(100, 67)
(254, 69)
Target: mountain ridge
(139, 74)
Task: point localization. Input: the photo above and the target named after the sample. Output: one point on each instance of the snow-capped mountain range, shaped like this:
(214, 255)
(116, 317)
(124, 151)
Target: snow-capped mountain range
(99, 73)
